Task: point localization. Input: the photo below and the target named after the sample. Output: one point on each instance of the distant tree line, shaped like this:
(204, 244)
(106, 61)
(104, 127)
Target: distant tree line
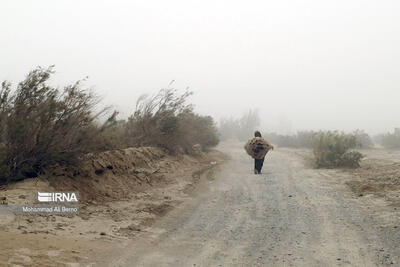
(389, 140)
(241, 128)
(304, 139)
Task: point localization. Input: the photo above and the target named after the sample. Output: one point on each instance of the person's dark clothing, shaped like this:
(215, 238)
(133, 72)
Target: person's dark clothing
(258, 164)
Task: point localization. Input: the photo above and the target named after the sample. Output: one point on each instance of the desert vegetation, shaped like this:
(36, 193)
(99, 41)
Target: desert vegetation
(41, 126)
(305, 139)
(167, 120)
(389, 140)
(335, 149)
(331, 149)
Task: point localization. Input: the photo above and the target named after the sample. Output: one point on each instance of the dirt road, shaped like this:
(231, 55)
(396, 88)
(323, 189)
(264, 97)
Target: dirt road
(291, 215)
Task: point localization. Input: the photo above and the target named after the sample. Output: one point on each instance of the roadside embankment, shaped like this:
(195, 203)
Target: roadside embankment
(121, 193)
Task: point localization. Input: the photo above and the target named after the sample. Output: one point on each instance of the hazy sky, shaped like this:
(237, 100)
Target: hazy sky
(309, 64)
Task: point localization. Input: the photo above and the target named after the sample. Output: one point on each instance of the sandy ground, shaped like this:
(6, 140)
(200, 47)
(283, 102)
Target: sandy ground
(107, 219)
(379, 175)
(291, 215)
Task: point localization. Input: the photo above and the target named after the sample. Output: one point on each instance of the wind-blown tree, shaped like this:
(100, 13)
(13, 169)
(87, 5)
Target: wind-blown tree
(41, 125)
(167, 120)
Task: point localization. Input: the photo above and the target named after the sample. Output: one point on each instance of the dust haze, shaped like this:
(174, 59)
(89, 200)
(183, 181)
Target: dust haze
(303, 64)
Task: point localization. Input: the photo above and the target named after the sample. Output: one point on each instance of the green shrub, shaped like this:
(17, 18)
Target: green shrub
(332, 149)
(351, 159)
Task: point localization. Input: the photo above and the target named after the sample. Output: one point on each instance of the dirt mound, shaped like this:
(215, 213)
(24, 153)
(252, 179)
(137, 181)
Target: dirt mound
(106, 182)
(111, 175)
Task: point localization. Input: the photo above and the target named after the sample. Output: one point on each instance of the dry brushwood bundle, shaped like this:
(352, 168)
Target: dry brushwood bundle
(258, 147)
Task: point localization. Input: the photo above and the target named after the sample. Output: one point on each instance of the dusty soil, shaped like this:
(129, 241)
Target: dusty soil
(379, 175)
(291, 215)
(121, 193)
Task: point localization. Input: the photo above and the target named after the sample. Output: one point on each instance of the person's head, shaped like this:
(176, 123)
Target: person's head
(257, 134)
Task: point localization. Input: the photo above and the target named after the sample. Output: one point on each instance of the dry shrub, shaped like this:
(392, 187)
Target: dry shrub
(166, 120)
(41, 125)
(333, 149)
(112, 134)
(197, 129)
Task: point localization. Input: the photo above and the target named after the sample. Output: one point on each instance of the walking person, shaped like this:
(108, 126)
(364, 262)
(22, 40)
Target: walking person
(257, 148)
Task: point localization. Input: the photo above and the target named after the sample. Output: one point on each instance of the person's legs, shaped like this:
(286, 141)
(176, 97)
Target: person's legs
(261, 163)
(255, 166)
(258, 163)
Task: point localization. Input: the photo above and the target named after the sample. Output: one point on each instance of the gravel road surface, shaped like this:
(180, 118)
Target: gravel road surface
(290, 215)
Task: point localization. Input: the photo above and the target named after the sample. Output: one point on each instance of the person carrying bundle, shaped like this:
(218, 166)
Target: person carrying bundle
(257, 148)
